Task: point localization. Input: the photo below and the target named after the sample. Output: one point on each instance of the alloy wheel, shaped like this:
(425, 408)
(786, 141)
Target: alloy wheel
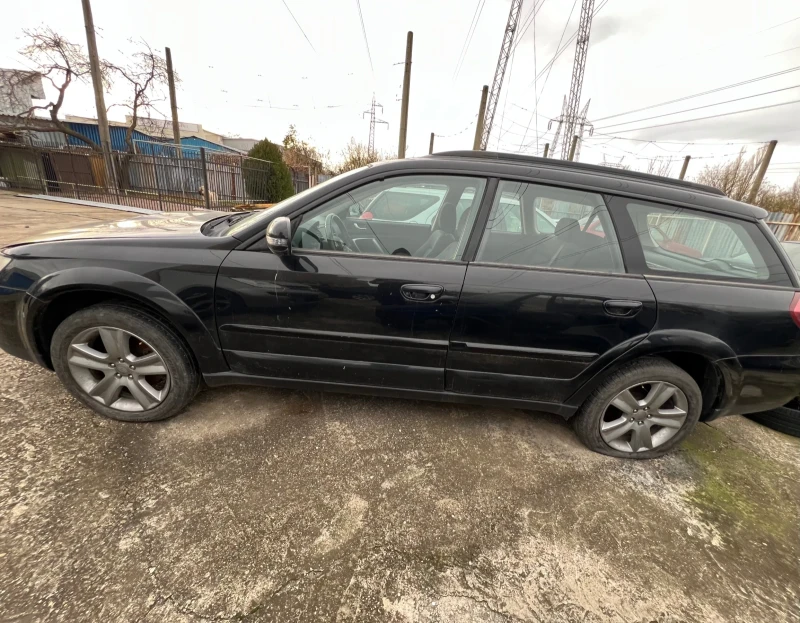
(644, 416)
(118, 369)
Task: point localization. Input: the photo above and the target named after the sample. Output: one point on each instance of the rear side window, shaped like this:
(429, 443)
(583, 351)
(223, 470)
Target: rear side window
(545, 226)
(680, 240)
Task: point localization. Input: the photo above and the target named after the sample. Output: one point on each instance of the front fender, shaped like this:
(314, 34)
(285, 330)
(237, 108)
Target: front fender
(182, 318)
(675, 341)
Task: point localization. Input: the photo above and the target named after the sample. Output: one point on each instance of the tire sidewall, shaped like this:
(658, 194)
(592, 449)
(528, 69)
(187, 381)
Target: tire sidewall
(587, 422)
(184, 379)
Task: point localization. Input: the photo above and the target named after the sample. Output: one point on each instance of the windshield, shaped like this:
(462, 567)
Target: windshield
(298, 199)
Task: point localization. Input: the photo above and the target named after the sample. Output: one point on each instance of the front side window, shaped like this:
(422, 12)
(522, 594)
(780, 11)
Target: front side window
(425, 216)
(679, 240)
(546, 226)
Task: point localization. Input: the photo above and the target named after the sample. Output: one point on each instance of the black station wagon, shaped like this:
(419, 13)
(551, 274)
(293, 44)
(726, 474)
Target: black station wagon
(630, 304)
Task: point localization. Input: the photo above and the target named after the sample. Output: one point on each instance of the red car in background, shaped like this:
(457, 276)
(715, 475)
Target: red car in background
(658, 236)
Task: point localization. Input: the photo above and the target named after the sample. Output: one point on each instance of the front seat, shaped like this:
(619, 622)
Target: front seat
(443, 232)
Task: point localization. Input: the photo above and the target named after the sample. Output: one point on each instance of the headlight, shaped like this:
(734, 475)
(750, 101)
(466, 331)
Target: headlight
(4, 261)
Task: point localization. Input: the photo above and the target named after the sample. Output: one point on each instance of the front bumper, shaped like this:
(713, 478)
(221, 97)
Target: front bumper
(12, 306)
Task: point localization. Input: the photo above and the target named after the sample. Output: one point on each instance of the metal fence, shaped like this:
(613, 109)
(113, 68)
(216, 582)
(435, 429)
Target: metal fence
(167, 178)
(786, 227)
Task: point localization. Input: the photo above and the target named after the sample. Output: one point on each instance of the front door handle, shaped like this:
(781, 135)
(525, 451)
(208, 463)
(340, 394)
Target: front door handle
(419, 292)
(622, 308)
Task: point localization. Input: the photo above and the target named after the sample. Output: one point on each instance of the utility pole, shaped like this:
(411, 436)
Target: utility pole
(476, 144)
(401, 148)
(500, 71)
(546, 149)
(173, 103)
(430, 148)
(572, 147)
(761, 171)
(684, 167)
(97, 83)
(372, 122)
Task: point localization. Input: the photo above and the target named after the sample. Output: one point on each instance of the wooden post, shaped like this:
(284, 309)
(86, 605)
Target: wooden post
(430, 147)
(546, 150)
(572, 148)
(476, 144)
(401, 147)
(684, 167)
(761, 171)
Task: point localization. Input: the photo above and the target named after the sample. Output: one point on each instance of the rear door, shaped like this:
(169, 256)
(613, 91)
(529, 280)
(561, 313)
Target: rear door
(544, 306)
(354, 307)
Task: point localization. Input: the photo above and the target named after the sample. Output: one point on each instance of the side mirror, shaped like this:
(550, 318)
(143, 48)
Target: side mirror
(279, 235)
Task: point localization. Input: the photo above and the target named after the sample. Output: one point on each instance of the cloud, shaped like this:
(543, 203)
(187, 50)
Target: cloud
(604, 28)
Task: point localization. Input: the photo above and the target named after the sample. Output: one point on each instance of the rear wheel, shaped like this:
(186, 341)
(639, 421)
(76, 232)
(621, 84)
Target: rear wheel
(785, 419)
(123, 364)
(641, 411)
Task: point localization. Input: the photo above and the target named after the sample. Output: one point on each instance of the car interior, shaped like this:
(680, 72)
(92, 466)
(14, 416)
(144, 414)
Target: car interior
(340, 224)
(513, 234)
(696, 244)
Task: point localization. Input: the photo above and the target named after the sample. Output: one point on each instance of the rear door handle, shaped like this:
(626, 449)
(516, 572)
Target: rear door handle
(622, 308)
(421, 292)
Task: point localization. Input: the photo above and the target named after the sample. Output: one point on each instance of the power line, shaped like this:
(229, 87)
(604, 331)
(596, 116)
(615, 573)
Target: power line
(572, 38)
(364, 31)
(299, 26)
(727, 114)
(538, 96)
(678, 112)
(715, 90)
(528, 21)
(468, 39)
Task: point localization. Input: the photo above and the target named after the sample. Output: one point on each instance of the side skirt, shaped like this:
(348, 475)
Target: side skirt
(220, 379)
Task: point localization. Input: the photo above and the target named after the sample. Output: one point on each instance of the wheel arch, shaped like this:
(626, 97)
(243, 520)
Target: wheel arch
(707, 359)
(58, 296)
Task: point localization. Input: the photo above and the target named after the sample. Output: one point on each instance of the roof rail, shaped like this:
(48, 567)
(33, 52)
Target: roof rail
(579, 166)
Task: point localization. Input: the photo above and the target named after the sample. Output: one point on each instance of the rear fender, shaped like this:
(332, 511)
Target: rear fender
(674, 341)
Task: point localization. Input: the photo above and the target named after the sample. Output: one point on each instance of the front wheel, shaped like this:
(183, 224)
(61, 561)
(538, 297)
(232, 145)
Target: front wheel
(641, 411)
(124, 364)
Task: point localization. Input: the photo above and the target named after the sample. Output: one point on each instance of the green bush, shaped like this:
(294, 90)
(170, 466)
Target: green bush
(267, 182)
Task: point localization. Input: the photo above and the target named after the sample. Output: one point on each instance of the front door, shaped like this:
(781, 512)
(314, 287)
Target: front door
(367, 296)
(546, 303)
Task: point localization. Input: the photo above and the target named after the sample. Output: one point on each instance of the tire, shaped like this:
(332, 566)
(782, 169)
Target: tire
(785, 419)
(640, 376)
(145, 335)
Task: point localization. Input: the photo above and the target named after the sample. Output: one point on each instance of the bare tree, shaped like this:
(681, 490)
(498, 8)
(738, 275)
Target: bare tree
(145, 75)
(61, 63)
(659, 166)
(356, 155)
(735, 177)
(299, 154)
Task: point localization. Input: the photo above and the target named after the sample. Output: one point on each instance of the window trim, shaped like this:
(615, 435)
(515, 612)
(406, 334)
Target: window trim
(633, 253)
(295, 216)
(483, 217)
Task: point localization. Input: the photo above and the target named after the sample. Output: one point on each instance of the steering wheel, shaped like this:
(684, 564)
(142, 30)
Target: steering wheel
(338, 235)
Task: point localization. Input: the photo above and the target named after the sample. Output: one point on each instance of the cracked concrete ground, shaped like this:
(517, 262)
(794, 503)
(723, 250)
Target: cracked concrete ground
(272, 505)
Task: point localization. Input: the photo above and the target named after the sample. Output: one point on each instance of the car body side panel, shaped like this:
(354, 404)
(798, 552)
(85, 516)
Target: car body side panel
(337, 317)
(538, 334)
(177, 280)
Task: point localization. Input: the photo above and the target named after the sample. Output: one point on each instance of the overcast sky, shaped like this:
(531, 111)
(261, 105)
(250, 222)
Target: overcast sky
(247, 69)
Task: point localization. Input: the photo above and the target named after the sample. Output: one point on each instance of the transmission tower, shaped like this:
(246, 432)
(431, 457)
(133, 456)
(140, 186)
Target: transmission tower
(578, 68)
(500, 72)
(560, 120)
(582, 124)
(372, 122)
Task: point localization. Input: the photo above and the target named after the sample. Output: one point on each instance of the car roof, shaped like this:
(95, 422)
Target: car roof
(597, 176)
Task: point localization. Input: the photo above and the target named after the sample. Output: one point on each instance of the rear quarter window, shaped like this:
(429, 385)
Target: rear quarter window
(695, 243)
